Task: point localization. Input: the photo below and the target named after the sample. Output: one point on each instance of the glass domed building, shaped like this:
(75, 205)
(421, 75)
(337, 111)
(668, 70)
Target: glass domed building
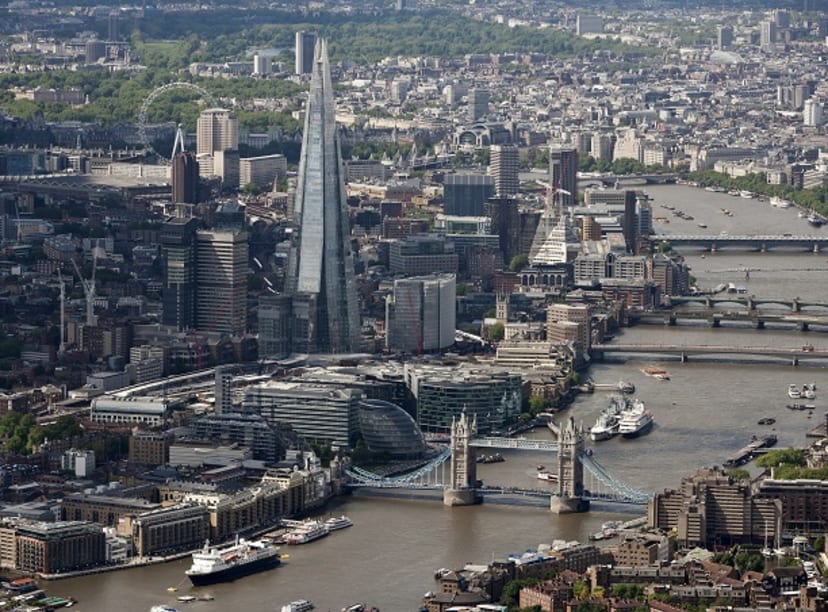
(387, 428)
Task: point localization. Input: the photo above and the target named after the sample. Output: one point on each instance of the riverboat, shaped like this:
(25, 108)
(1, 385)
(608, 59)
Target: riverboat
(307, 532)
(656, 373)
(338, 522)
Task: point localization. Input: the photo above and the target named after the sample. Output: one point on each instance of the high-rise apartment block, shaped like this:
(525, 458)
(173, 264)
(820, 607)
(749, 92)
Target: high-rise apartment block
(304, 51)
(503, 168)
(217, 144)
(217, 130)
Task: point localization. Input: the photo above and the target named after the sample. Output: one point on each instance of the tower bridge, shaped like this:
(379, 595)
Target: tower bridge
(580, 478)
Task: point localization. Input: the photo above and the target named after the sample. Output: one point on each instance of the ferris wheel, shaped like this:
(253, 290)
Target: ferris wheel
(200, 92)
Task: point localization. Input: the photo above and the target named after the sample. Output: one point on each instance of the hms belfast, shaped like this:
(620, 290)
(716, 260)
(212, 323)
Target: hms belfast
(320, 284)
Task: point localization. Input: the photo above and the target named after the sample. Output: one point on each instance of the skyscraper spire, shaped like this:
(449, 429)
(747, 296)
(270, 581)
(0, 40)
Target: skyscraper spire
(321, 271)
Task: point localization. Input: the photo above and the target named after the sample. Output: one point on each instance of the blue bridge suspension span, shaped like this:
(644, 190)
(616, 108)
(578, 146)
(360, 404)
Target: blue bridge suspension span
(600, 486)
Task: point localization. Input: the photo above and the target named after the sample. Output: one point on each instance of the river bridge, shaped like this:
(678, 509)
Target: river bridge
(685, 351)
(715, 318)
(750, 302)
(746, 242)
(579, 478)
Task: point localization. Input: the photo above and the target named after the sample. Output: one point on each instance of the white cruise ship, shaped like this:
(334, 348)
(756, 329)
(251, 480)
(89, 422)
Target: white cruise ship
(635, 421)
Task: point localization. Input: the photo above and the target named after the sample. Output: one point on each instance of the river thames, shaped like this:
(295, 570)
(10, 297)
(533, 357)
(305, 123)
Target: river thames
(703, 414)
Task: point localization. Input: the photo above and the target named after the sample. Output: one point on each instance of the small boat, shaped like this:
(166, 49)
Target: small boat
(794, 392)
(300, 605)
(541, 468)
(547, 476)
(657, 373)
(767, 421)
(163, 608)
(186, 598)
(172, 589)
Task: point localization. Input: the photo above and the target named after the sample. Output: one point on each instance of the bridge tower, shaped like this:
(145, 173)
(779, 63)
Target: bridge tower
(461, 490)
(568, 496)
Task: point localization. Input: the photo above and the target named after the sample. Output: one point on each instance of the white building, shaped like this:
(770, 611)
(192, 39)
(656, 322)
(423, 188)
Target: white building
(81, 462)
(812, 113)
(262, 171)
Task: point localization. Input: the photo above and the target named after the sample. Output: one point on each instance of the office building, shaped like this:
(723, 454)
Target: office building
(248, 430)
(563, 175)
(320, 276)
(221, 281)
(420, 314)
(262, 171)
(503, 168)
(767, 35)
(724, 37)
(422, 254)
(478, 103)
(113, 29)
(493, 397)
(94, 51)
(465, 194)
(304, 45)
(589, 24)
(178, 256)
(185, 178)
(505, 224)
(274, 316)
(319, 413)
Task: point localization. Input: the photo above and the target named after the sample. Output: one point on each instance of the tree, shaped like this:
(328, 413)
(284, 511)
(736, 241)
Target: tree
(580, 589)
(496, 332)
(537, 404)
(518, 263)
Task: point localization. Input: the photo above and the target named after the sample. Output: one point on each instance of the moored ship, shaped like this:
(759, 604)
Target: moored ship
(658, 373)
(338, 522)
(307, 532)
(606, 426)
(635, 421)
(213, 564)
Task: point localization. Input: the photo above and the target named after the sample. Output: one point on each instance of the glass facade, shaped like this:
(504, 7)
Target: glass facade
(387, 428)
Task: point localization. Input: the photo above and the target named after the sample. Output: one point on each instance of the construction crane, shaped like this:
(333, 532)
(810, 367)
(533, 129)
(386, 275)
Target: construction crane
(62, 347)
(89, 289)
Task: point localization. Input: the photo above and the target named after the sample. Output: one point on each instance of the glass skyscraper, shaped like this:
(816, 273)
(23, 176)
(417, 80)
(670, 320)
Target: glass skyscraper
(320, 280)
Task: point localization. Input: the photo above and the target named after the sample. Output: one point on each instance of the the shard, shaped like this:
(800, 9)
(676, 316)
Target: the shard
(325, 311)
